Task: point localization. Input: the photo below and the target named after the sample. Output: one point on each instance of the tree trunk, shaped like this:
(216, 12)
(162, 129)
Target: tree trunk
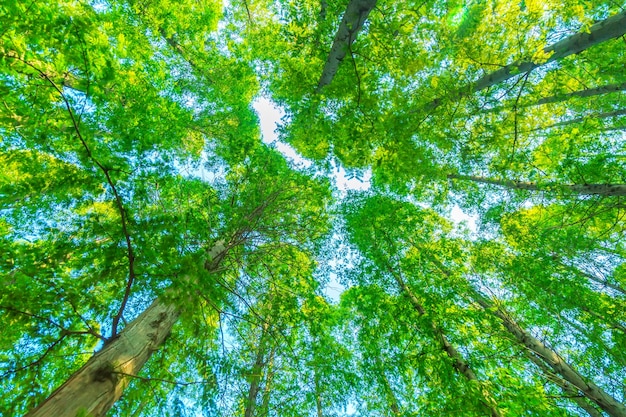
(588, 92)
(391, 397)
(557, 98)
(256, 374)
(353, 19)
(581, 189)
(596, 116)
(613, 27)
(318, 394)
(95, 387)
(570, 391)
(458, 362)
(561, 368)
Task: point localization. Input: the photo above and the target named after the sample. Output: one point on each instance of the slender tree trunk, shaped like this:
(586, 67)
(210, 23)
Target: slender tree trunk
(352, 22)
(557, 98)
(596, 116)
(391, 397)
(588, 92)
(458, 361)
(613, 27)
(581, 189)
(95, 387)
(265, 406)
(570, 391)
(318, 394)
(561, 368)
(256, 374)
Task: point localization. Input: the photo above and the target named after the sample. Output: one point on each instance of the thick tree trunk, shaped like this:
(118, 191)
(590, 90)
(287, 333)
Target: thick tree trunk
(353, 19)
(582, 189)
(613, 27)
(561, 368)
(458, 361)
(95, 387)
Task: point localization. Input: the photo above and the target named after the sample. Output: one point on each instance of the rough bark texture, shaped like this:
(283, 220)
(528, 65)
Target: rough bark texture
(613, 27)
(353, 19)
(101, 381)
(458, 361)
(582, 189)
(561, 368)
(96, 386)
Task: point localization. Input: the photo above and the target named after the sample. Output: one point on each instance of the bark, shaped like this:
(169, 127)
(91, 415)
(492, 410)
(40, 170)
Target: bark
(613, 27)
(588, 92)
(458, 362)
(557, 98)
(580, 189)
(561, 368)
(256, 374)
(391, 397)
(352, 22)
(95, 387)
(318, 394)
(596, 116)
(570, 391)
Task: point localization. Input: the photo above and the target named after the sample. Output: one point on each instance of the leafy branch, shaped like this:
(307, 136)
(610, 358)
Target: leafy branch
(118, 199)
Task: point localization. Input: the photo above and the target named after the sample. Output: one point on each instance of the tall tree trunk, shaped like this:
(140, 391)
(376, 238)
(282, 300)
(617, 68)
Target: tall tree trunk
(561, 368)
(588, 92)
(458, 362)
(391, 397)
(596, 116)
(95, 387)
(318, 394)
(581, 189)
(613, 27)
(353, 19)
(557, 98)
(256, 374)
(570, 391)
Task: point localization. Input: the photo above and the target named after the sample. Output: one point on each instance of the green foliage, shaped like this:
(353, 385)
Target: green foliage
(132, 168)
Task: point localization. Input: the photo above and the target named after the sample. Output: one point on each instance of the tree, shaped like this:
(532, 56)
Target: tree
(161, 257)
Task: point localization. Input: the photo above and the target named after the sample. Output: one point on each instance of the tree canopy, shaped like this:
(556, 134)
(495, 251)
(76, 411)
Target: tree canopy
(161, 258)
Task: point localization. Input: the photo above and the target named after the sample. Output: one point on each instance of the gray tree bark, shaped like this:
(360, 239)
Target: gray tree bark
(582, 189)
(352, 22)
(613, 27)
(561, 368)
(458, 362)
(570, 391)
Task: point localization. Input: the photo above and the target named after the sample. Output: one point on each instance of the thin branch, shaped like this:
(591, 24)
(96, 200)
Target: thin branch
(118, 199)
